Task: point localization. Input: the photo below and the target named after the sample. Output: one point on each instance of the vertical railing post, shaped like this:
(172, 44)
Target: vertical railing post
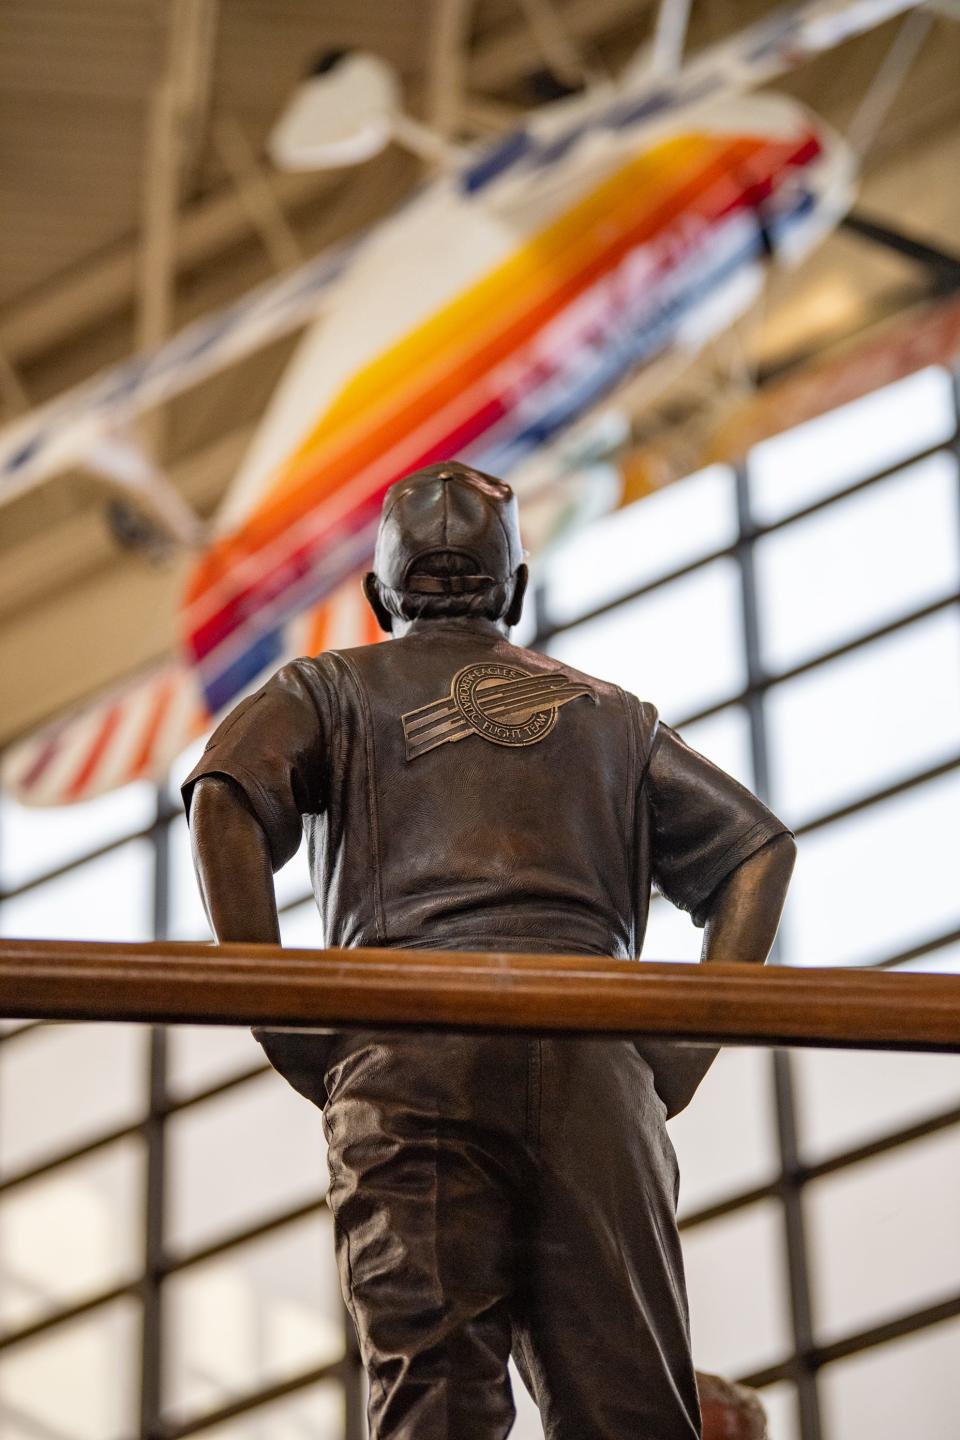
(782, 1070)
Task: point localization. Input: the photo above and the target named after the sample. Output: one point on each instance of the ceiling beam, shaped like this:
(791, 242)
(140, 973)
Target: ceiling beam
(178, 99)
(669, 38)
(198, 75)
(557, 45)
(13, 393)
(264, 210)
(445, 79)
(515, 51)
(103, 287)
(170, 121)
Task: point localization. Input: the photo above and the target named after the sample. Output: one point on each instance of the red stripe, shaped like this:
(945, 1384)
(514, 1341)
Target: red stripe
(613, 234)
(315, 484)
(161, 705)
(243, 608)
(93, 756)
(260, 531)
(42, 760)
(738, 156)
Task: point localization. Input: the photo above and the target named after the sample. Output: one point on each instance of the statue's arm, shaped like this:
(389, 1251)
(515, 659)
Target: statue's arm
(740, 927)
(231, 856)
(743, 915)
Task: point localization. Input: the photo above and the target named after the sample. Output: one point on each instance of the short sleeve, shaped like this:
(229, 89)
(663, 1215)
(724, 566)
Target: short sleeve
(702, 823)
(273, 746)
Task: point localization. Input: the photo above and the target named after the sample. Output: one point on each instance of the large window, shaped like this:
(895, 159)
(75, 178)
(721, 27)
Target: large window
(804, 632)
(166, 1262)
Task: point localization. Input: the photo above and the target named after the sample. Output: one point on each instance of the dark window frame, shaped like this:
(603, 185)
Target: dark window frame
(806, 1358)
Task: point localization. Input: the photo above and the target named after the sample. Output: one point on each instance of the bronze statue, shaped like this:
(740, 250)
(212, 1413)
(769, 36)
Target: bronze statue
(491, 1192)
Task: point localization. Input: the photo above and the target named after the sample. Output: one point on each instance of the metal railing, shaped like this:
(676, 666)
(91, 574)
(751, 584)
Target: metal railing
(165, 983)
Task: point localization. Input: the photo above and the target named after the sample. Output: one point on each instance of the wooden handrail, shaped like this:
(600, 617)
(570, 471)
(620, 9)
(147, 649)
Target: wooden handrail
(267, 985)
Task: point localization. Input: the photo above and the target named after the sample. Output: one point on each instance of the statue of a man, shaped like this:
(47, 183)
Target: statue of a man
(491, 1192)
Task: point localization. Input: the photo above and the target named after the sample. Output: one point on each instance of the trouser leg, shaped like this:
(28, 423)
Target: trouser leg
(602, 1334)
(422, 1187)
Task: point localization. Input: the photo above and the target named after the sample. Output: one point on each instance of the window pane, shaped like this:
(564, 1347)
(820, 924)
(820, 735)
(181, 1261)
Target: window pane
(884, 1235)
(70, 1234)
(862, 722)
(301, 927)
(909, 1387)
(725, 739)
(867, 560)
(847, 1097)
(736, 1278)
(870, 886)
(527, 1425)
(316, 1413)
(635, 545)
(524, 632)
(40, 838)
(293, 881)
(183, 764)
(64, 1084)
(726, 1140)
(824, 455)
(79, 1382)
(105, 899)
(200, 1056)
(187, 920)
(679, 646)
(252, 1317)
(671, 934)
(783, 1415)
(250, 1153)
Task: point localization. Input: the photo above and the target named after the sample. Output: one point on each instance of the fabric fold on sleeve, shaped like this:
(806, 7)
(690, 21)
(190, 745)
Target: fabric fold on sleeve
(703, 823)
(273, 748)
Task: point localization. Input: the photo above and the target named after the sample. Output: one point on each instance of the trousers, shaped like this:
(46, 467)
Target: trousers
(504, 1194)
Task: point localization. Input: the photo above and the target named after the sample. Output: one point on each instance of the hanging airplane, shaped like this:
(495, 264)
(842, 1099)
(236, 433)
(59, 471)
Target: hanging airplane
(487, 319)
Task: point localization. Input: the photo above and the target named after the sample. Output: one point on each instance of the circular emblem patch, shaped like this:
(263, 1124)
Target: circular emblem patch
(495, 701)
(505, 704)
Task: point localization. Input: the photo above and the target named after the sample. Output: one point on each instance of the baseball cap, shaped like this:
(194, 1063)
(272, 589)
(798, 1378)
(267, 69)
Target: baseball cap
(448, 507)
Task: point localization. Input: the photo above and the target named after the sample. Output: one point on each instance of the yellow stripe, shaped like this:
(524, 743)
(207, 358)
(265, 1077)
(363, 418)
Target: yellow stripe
(651, 175)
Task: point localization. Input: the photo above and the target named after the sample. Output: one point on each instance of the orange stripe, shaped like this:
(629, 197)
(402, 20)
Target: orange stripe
(372, 634)
(272, 518)
(593, 246)
(612, 205)
(318, 628)
(108, 726)
(652, 174)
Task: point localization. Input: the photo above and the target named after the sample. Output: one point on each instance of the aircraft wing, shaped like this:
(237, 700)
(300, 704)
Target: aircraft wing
(535, 166)
(62, 432)
(567, 322)
(69, 428)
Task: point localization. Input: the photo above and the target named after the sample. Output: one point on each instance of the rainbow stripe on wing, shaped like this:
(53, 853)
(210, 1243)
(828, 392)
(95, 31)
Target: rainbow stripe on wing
(511, 360)
(495, 373)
